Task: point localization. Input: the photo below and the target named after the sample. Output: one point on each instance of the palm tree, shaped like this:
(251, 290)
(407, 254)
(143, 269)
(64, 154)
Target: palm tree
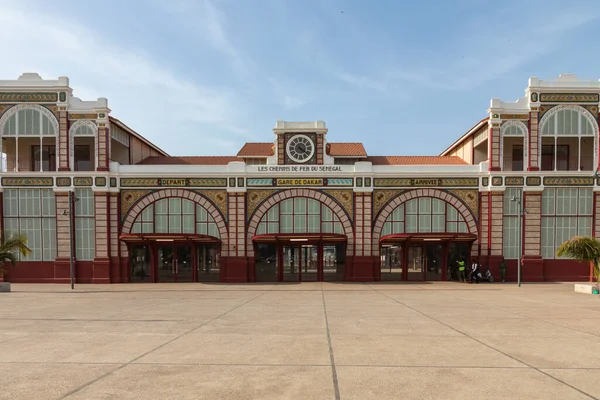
(10, 250)
(583, 248)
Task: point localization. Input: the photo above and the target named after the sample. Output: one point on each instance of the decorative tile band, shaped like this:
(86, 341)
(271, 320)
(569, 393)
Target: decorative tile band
(570, 97)
(426, 182)
(100, 181)
(514, 116)
(259, 182)
(113, 182)
(63, 182)
(83, 116)
(514, 181)
(173, 182)
(28, 97)
(533, 181)
(85, 181)
(497, 181)
(340, 182)
(568, 181)
(28, 181)
(485, 181)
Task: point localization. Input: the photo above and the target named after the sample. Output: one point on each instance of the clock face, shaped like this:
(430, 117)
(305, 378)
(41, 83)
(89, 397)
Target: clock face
(300, 148)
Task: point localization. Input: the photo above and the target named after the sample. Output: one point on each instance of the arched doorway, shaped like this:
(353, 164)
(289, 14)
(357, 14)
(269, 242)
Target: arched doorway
(421, 234)
(174, 236)
(298, 236)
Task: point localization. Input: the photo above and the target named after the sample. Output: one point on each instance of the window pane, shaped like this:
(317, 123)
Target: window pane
(49, 238)
(411, 224)
(411, 206)
(424, 223)
(299, 206)
(273, 213)
(425, 205)
(286, 224)
(438, 206)
(313, 206)
(314, 223)
(510, 237)
(201, 214)
(187, 206)
(398, 213)
(286, 206)
(452, 213)
(585, 201)
(300, 223)
(174, 206)
(548, 199)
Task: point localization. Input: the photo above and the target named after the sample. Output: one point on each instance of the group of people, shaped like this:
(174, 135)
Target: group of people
(474, 270)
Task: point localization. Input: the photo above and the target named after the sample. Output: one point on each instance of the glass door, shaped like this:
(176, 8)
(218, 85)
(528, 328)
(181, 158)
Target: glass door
(140, 263)
(166, 263)
(333, 262)
(184, 268)
(309, 263)
(175, 264)
(391, 262)
(433, 261)
(291, 264)
(415, 263)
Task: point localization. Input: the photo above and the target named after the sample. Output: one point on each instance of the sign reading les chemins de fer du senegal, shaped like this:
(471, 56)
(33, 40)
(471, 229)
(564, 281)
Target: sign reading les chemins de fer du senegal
(299, 182)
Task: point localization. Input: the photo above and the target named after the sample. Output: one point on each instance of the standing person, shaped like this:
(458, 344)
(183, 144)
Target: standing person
(474, 271)
(503, 270)
(461, 269)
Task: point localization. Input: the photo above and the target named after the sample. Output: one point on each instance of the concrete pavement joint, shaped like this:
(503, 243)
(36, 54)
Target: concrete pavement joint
(336, 387)
(491, 347)
(72, 392)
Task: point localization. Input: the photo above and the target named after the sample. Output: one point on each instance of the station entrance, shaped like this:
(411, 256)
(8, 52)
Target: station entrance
(307, 258)
(423, 257)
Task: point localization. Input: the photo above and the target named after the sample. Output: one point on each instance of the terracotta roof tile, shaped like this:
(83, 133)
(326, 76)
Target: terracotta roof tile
(256, 150)
(416, 160)
(346, 150)
(200, 160)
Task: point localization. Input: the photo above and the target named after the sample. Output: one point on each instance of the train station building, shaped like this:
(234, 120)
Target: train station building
(302, 205)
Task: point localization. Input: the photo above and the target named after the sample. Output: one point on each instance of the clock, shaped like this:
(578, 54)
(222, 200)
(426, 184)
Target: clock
(300, 148)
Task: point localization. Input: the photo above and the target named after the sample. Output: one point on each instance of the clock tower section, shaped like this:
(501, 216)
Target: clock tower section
(300, 143)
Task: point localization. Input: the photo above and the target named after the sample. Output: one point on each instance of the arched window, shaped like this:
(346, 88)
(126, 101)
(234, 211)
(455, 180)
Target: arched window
(30, 138)
(568, 140)
(424, 215)
(83, 145)
(513, 151)
(299, 215)
(175, 215)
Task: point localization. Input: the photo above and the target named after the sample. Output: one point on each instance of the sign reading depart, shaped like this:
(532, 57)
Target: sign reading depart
(173, 182)
(425, 182)
(299, 182)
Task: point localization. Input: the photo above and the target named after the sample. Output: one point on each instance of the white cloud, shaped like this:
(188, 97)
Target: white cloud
(146, 95)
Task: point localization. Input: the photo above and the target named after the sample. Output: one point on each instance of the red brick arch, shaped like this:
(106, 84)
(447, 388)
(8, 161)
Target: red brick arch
(278, 197)
(197, 198)
(448, 197)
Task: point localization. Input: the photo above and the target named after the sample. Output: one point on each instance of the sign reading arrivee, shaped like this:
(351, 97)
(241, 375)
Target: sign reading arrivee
(425, 182)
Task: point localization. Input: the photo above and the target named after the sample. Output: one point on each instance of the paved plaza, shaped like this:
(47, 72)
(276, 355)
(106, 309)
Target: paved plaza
(299, 341)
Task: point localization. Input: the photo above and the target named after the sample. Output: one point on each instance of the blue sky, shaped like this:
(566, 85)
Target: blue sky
(202, 77)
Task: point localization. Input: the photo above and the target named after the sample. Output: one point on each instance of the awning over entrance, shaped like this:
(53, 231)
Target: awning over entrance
(427, 237)
(299, 237)
(168, 237)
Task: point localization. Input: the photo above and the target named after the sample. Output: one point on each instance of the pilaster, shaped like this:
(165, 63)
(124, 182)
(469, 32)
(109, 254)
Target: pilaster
(63, 139)
(532, 229)
(237, 224)
(494, 143)
(103, 147)
(497, 223)
(101, 209)
(534, 151)
(63, 234)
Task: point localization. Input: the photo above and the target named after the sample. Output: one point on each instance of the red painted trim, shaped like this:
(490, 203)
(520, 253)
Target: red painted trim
(108, 236)
(424, 236)
(529, 143)
(2, 215)
(594, 213)
(479, 203)
(194, 237)
(119, 228)
(106, 148)
(287, 237)
(489, 227)
(524, 227)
